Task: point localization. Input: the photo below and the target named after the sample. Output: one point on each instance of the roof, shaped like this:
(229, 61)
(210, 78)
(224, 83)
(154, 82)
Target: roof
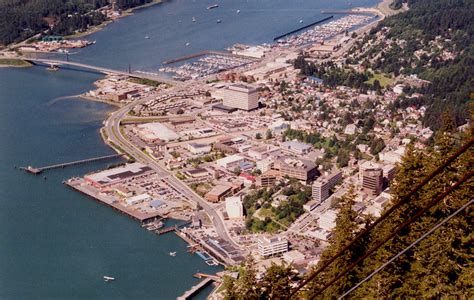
(295, 145)
(229, 159)
(219, 190)
(156, 203)
(122, 172)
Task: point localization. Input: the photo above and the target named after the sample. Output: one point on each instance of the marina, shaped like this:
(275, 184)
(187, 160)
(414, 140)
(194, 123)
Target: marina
(302, 28)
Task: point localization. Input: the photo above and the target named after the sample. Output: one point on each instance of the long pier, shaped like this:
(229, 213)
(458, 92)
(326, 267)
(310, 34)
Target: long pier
(302, 28)
(35, 171)
(195, 289)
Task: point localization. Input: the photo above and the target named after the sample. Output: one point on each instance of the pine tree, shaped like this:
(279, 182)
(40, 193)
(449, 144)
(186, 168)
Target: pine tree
(347, 226)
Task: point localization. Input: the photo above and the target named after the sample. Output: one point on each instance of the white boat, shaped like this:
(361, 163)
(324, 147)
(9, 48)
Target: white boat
(219, 20)
(147, 37)
(301, 21)
(187, 44)
(194, 19)
(173, 253)
(108, 278)
(238, 11)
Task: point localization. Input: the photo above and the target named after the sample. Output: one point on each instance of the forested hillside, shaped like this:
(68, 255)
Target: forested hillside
(434, 40)
(21, 19)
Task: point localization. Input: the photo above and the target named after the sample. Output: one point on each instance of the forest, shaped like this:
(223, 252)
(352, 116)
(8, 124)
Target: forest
(22, 19)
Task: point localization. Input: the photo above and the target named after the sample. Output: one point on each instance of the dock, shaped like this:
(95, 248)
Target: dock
(134, 214)
(172, 228)
(302, 28)
(195, 289)
(203, 53)
(35, 171)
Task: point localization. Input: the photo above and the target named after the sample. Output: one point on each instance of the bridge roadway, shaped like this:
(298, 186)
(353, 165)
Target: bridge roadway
(104, 70)
(112, 128)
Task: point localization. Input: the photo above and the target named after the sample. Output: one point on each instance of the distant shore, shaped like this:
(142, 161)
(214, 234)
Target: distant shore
(99, 27)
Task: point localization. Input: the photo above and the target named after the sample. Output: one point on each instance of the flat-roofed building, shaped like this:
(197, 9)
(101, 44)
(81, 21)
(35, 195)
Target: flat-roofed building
(137, 199)
(230, 162)
(300, 169)
(241, 96)
(322, 186)
(270, 246)
(218, 193)
(234, 207)
(196, 148)
(296, 147)
(372, 181)
(268, 178)
(112, 176)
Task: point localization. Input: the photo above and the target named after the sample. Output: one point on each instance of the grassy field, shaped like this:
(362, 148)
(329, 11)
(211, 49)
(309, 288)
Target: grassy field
(383, 79)
(14, 62)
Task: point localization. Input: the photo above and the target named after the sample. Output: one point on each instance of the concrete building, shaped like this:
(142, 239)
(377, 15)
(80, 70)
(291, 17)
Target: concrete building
(322, 186)
(234, 208)
(241, 96)
(265, 164)
(372, 181)
(137, 199)
(296, 147)
(116, 175)
(268, 178)
(152, 131)
(218, 193)
(300, 169)
(230, 162)
(388, 174)
(196, 148)
(272, 246)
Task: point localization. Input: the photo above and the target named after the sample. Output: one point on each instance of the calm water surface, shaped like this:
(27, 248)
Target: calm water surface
(56, 243)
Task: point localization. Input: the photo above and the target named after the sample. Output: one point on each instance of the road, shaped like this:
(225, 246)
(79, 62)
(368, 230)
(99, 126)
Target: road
(142, 75)
(112, 128)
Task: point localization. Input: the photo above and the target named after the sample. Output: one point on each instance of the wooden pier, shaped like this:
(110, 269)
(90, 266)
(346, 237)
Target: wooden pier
(195, 289)
(36, 171)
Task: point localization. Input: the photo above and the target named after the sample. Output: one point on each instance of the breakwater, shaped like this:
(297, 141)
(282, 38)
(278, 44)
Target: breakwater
(302, 28)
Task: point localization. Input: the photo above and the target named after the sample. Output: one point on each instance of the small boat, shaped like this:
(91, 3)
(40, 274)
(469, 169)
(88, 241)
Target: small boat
(213, 6)
(187, 44)
(147, 37)
(301, 21)
(108, 278)
(173, 253)
(53, 68)
(238, 11)
(194, 19)
(219, 20)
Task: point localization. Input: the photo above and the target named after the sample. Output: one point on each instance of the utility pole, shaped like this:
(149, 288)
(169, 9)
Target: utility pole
(129, 69)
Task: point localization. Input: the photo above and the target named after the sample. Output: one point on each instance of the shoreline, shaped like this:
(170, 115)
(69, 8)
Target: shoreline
(125, 13)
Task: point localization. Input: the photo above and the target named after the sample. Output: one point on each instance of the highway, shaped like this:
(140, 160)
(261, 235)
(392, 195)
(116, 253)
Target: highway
(112, 129)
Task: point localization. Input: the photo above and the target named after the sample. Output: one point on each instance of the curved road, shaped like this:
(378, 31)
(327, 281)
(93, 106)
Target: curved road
(112, 128)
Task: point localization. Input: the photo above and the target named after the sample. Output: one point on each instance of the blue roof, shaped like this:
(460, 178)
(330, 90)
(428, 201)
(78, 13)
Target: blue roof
(156, 203)
(315, 79)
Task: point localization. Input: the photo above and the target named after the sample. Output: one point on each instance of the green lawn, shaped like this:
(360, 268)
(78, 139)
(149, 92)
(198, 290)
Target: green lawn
(14, 62)
(383, 79)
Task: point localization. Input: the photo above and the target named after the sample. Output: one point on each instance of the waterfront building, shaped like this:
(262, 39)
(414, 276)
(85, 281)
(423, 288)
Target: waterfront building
(137, 199)
(234, 207)
(270, 246)
(241, 96)
(116, 175)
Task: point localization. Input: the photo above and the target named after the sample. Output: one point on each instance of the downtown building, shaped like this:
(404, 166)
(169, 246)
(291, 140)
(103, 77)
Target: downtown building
(240, 96)
(270, 246)
(321, 187)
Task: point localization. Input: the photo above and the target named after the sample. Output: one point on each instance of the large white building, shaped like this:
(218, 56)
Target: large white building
(196, 148)
(234, 207)
(241, 96)
(269, 246)
(322, 186)
(230, 162)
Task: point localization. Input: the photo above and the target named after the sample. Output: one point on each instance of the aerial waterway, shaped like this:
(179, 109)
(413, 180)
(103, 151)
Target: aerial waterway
(56, 243)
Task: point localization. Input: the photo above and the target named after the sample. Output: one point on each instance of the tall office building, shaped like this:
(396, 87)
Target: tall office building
(322, 186)
(272, 246)
(372, 181)
(241, 96)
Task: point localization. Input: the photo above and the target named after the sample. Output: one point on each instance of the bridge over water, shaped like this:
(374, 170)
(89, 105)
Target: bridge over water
(143, 75)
